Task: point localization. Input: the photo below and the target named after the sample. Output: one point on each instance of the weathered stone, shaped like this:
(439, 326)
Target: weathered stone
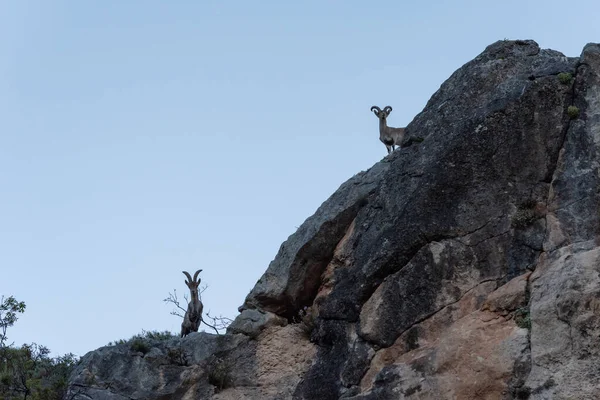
(193, 367)
(474, 359)
(282, 357)
(293, 277)
(508, 297)
(565, 315)
(169, 368)
(252, 322)
(438, 275)
(565, 318)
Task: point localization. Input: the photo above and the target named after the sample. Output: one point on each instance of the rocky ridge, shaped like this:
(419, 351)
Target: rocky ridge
(463, 266)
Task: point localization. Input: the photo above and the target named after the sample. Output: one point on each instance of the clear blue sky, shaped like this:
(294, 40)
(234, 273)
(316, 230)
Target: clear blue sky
(142, 138)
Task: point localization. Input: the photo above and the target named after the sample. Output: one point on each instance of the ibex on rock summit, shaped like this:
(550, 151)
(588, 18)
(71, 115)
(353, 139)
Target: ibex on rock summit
(389, 136)
(193, 315)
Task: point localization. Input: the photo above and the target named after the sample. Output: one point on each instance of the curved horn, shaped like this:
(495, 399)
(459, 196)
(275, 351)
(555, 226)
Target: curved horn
(376, 110)
(196, 275)
(387, 108)
(188, 276)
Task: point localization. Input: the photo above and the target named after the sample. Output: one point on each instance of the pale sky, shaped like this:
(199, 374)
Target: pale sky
(142, 138)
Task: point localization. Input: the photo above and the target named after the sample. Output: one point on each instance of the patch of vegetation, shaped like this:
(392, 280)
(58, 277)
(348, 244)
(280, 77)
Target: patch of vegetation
(157, 335)
(523, 218)
(140, 342)
(146, 335)
(89, 378)
(573, 112)
(306, 321)
(140, 345)
(523, 318)
(219, 373)
(565, 78)
(9, 308)
(526, 214)
(28, 372)
(177, 356)
(417, 139)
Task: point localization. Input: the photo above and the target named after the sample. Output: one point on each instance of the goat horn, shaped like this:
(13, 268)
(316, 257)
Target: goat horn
(196, 275)
(376, 110)
(386, 109)
(188, 276)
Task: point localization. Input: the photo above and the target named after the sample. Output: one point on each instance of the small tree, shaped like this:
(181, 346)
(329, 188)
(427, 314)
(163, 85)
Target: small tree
(28, 372)
(9, 308)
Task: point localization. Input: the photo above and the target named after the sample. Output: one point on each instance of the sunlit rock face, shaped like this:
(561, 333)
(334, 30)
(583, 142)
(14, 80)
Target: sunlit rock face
(464, 265)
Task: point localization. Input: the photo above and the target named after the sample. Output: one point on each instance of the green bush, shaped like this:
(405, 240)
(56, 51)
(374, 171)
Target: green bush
(526, 214)
(306, 321)
(139, 345)
(219, 373)
(156, 335)
(565, 78)
(523, 218)
(29, 369)
(523, 318)
(177, 356)
(28, 372)
(146, 335)
(573, 112)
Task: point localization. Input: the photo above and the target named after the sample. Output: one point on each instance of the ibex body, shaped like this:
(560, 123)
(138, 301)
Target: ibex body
(193, 315)
(389, 136)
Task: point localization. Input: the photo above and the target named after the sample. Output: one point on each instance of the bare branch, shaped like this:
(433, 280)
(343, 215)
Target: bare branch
(175, 301)
(219, 323)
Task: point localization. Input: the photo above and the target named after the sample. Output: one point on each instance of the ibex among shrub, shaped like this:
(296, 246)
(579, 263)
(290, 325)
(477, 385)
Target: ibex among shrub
(193, 315)
(389, 136)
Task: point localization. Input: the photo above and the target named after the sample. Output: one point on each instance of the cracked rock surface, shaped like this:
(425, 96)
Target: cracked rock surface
(465, 265)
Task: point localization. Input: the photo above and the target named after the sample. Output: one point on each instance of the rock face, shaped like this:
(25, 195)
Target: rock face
(465, 265)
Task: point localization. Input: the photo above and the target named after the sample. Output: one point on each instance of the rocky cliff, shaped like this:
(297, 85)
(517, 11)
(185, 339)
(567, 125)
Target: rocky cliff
(464, 266)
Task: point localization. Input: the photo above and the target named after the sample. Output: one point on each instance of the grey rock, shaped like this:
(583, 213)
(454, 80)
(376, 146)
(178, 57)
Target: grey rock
(168, 369)
(440, 222)
(565, 286)
(293, 277)
(252, 322)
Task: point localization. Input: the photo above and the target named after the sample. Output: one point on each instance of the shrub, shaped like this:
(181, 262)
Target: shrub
(523, 318)
(306, 321)
(156, 335)
(526, 214)
(573, 112)
(177, 356)
(29, 372)
(146, 335)
(565, 78)
(523, 218)
(219, 373)
(139, 345)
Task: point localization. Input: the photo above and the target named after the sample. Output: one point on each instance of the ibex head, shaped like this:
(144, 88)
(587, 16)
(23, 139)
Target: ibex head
(382, 114)
(192, 283)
